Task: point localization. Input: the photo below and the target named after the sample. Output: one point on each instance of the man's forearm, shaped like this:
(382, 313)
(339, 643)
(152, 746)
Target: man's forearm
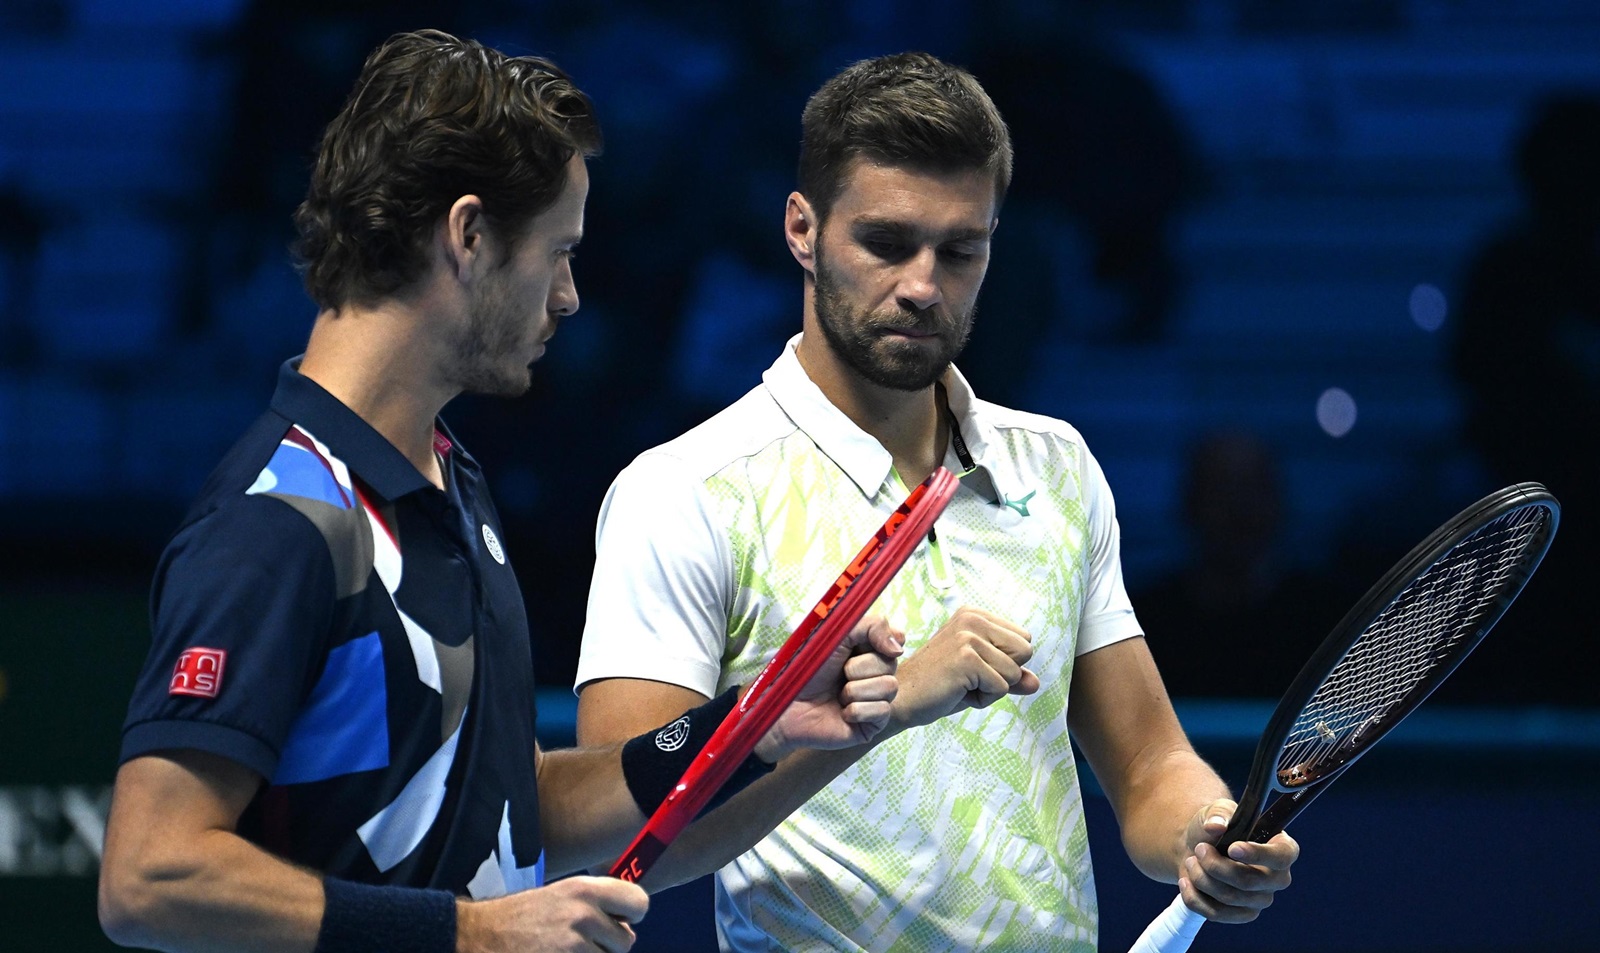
(594, 800)
(220, 894)
(974, 659)
(1158, 809)
(747, 817)
(175, 876)
(586, 814)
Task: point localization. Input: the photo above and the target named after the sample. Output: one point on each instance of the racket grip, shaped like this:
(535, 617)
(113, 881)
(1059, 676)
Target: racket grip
(1171, 932)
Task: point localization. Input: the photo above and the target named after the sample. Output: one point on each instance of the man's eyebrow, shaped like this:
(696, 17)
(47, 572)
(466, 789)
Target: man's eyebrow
(903, 230)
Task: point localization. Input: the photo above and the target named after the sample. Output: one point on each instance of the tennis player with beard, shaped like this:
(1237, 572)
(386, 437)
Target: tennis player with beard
(967, 833)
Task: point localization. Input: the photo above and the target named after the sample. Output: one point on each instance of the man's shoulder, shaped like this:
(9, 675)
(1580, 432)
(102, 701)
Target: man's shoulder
(741, 430)
(239, 467)
(1025, 424)
(270, 484)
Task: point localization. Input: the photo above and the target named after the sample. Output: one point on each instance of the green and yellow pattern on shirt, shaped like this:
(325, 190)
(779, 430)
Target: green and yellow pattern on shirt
(964, 834)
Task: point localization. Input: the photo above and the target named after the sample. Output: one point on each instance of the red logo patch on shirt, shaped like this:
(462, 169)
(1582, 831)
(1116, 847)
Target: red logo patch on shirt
(198, 673)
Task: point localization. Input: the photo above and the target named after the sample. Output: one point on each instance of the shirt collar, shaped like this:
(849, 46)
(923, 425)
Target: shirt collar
(974, 433)
(857, 453)
(379, 464)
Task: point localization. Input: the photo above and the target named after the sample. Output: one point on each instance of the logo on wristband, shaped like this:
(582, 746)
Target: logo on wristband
(672, 737)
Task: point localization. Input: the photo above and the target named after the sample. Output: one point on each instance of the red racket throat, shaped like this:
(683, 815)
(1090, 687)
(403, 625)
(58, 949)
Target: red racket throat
(816, 637)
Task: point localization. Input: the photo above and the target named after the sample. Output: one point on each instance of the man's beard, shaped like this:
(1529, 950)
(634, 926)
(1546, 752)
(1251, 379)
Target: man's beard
(484, 354)
(858, 337)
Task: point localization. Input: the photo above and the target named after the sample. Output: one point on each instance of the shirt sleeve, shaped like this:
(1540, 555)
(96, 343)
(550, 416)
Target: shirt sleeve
(663, 579)
(240, 610)
(1107, 611)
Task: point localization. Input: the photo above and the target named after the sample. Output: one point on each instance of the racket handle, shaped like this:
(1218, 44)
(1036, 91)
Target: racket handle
(1171, 932)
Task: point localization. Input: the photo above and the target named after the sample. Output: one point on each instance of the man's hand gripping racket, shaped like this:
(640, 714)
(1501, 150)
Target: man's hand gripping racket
(805, 651)
(1387, 655)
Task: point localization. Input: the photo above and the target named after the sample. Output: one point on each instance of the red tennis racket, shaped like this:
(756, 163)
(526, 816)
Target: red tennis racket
(818, 634)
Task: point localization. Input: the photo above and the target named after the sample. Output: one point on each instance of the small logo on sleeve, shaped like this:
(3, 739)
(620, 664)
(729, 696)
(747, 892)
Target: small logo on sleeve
(672, 737)
(198, 673)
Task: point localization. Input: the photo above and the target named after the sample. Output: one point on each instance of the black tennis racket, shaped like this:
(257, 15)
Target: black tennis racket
(1388, 654)
(800, 657)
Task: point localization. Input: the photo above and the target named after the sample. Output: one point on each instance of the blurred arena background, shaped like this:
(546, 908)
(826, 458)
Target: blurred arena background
(1310, 276)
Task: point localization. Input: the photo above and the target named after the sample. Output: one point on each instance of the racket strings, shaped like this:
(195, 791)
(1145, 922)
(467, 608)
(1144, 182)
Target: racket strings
(1430, 623)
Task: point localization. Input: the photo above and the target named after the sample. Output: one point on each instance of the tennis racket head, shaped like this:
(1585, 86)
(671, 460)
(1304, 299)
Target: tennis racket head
(819, 632)
(1392, 649)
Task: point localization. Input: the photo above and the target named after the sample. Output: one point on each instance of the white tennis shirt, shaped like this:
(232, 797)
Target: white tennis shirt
(961, 835)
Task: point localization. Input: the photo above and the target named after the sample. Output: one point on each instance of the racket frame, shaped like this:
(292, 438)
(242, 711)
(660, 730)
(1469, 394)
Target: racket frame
(1176, 926)
(1250, 821)
(819, 632)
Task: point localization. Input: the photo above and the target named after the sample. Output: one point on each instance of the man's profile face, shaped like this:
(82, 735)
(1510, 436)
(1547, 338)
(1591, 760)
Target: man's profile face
(516, 308)
(899, 261)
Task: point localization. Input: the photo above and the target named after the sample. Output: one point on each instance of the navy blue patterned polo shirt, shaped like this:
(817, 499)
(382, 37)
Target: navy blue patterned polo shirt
(328, 618)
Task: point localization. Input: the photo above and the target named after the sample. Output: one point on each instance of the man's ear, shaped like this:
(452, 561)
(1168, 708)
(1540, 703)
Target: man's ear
(464, 238)
(801, 230)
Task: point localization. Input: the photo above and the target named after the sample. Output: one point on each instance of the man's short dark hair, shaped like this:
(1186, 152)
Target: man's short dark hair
(433, 118)
(910, 109)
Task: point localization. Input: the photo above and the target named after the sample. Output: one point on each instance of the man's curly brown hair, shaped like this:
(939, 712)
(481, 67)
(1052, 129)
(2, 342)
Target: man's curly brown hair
(432, 118)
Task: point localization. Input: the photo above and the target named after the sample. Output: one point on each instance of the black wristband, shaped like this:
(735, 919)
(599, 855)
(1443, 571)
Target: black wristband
(653, 763)
(362, 918)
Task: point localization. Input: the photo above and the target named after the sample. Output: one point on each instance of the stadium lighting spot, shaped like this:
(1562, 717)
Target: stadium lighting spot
(1336, 412)
(1428, 307)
